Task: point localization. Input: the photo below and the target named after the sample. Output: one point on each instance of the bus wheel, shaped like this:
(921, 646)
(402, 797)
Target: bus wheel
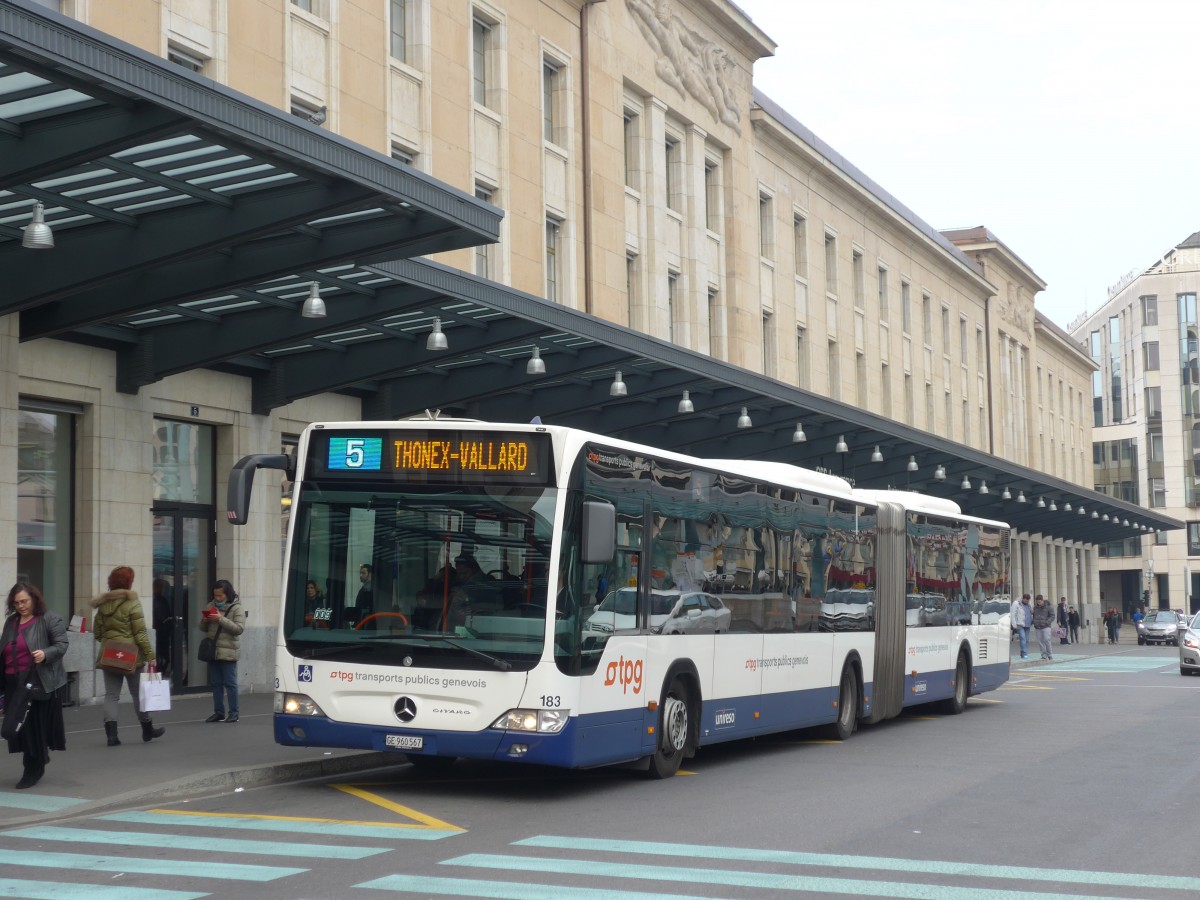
(847, 715)
(962, 687)
(673, 728)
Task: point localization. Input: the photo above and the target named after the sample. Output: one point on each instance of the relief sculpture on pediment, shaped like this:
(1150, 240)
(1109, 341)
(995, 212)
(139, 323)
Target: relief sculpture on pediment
(693, 65)
(1016, 310)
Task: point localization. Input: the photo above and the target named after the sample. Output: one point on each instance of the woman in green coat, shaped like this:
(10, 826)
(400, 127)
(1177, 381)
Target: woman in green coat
(119, 617)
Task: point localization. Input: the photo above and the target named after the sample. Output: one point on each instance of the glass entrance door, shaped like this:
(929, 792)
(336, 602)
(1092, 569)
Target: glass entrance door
(183, 554)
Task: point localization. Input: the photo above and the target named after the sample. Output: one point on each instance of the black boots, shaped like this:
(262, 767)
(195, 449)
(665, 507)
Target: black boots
(110, 729)
(149, 732)
(29, 778)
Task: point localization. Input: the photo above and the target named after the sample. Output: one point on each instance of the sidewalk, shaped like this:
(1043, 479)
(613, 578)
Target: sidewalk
(193, 757)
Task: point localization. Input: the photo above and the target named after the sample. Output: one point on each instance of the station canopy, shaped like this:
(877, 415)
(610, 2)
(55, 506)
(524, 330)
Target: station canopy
(191, 223)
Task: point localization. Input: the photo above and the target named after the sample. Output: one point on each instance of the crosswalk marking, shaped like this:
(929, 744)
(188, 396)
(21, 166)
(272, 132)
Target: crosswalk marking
(391, 831)
(761, 880)
(38, 802)
(67, 862)
(462, 887)
(887, 864)
(57, 890)
(1108, 664)
(191, 842)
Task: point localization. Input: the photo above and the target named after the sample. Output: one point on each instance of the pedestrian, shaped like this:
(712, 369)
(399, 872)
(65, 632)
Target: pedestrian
(119, 617)
(1062, 617)
(224, 621)
(1073, 624)
(34, 640)
(1022, 618)
(1113, 620)
(1043, 621)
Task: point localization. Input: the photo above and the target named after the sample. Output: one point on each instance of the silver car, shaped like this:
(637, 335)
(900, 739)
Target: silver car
(1163, 627)
(1189, 648)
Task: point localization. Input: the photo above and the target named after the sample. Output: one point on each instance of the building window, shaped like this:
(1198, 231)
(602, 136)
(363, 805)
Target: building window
(714, 312)
(398, 22)
(632, 157)
(1150, 353)
(927, 317)
(946, 330)
(906, 307)
(45, 502)
(483, 252)
(831, 280)
(482, 39)
(885, 387)
(963, 331)
(1158, 493)
(802, 369)
(553, 259)
(1149, 309)
(768, 344)
(883, 295)
(405, 155)
(673, 331)
(856, 273)
(307, 111)
(671, 160)
(186, 59)
(712, 196)
(631, 288)
(831, 364)
(766, 226)
(1193, 538)
(860, 380)
(551, 92)
(800, 244)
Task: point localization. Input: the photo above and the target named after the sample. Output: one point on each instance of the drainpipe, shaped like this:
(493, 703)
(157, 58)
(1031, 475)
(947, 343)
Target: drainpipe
(586, 130)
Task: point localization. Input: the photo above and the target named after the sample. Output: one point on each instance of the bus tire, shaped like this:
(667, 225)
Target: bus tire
(674, 729)
(847, 712)
(962, 688)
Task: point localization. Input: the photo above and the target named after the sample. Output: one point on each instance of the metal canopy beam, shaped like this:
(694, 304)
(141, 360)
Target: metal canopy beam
(246, 264)
(105, 253)
(55, 145)
(171, 349)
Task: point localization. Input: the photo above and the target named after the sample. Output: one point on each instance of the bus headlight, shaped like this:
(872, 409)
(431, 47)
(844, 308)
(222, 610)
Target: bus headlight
(296, 705)
(543, 721)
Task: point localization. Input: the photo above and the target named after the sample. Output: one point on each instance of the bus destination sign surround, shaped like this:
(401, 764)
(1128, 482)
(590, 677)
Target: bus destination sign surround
(437, 456)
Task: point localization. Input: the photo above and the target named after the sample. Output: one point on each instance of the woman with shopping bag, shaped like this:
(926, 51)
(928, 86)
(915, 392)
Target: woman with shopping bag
(32, 646)
(120, 632)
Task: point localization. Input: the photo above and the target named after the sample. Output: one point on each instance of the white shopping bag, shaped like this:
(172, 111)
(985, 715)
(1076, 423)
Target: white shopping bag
(154, 693)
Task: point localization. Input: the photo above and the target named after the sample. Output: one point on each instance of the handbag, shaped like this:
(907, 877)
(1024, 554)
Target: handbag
(207, 650)
(118, 656)
(16, 713)
(154, 693)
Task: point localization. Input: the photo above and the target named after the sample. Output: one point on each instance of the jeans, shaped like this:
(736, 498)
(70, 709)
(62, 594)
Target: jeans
(222, 675)
(112, 693)
(1044, 642)
(1023, 634)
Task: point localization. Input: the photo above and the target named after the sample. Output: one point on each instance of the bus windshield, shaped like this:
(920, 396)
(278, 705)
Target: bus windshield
(444, 577)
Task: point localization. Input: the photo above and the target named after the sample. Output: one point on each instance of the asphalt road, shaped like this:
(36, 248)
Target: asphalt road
(1076, 779)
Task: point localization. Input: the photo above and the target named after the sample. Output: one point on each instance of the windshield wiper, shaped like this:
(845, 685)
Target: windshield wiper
(314, 652)
(502, 664)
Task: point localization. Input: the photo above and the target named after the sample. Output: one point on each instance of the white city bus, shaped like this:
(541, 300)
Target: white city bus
(542, 594)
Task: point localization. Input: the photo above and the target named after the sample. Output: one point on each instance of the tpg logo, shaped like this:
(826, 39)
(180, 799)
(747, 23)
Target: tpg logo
(626, 672)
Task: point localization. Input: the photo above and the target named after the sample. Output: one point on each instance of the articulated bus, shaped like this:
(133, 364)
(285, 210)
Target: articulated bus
(541, 594)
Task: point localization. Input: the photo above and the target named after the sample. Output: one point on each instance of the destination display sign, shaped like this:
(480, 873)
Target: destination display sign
(453, 456)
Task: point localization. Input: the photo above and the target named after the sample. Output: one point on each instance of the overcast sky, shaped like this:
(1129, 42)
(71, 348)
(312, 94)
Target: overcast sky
(1068, 128)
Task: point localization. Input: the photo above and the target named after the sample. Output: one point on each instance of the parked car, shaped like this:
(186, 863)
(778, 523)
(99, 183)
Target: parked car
(671, 612)
(1189, 648)
(1163, 626)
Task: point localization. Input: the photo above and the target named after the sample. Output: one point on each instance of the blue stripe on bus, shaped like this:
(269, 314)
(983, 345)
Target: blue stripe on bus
(622, 735)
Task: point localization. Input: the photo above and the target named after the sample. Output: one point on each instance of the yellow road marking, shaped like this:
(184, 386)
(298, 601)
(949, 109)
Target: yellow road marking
(985, 700)
(216, 815)
(399, 809)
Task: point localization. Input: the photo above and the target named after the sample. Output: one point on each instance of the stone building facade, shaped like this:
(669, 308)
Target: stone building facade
(643, 179)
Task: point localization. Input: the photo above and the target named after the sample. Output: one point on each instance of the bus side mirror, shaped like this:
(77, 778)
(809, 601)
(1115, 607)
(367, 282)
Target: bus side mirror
(599, 531)
(241, 482)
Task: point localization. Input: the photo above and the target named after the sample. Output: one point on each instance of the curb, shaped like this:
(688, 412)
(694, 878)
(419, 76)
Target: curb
(217, 780)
